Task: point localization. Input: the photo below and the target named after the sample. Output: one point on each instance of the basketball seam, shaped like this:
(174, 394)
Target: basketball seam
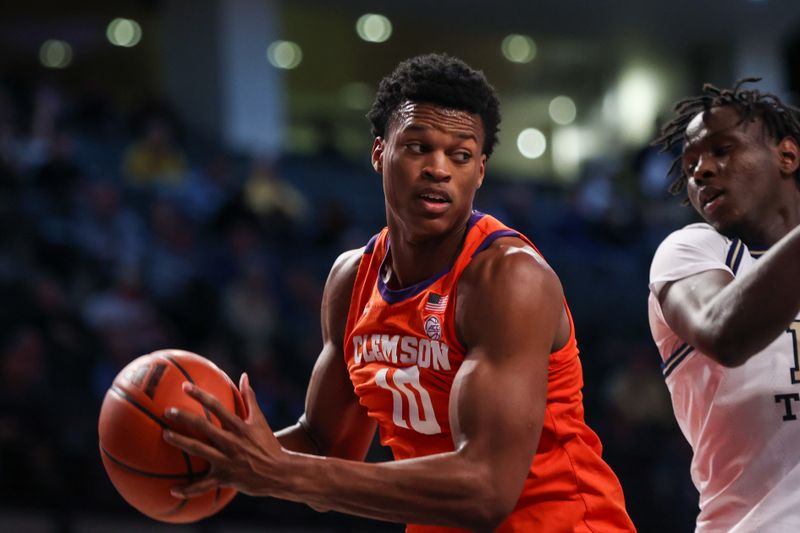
(134, 470)
(181, 505)
(125, 396)
(188, 377)
(208, 415)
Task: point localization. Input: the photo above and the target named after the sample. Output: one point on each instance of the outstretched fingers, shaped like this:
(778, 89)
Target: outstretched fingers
(193, 446)
(254, 413)
(228, 419)
(197, 425)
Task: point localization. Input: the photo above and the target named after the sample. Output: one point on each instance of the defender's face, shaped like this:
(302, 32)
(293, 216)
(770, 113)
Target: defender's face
(733, 170)
(432, 165)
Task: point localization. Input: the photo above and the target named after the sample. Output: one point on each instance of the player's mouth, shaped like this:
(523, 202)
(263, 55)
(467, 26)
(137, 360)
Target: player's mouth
(434, 201)
(710, 201)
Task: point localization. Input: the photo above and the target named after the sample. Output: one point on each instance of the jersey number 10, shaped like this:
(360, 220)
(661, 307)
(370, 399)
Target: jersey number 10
(398, 385)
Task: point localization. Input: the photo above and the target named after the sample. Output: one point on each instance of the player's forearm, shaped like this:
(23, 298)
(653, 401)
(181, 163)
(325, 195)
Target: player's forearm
(751, 312)
(443, 489)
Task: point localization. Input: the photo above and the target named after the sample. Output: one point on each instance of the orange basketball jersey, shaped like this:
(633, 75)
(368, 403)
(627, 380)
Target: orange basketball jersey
(402, 354)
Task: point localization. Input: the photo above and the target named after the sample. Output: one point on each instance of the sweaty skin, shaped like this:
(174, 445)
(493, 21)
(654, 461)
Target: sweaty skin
(742, 182)
(432, 163)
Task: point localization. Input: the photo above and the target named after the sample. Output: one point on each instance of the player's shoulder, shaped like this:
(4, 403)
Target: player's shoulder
(336, 299)
(690, 250)
(509, 263)
(699, 232)
(344, 270)
(504, 283)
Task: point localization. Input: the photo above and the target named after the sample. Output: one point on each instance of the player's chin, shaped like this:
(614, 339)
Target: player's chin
(429, 226)
(728, 228)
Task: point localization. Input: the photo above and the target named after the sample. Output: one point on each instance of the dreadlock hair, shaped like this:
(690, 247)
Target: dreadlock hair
(441, 80)
(779, 120)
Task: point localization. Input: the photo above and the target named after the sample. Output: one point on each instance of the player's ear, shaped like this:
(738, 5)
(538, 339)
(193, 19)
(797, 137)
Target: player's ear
(377, 155)
(482, 170)
(789, 154)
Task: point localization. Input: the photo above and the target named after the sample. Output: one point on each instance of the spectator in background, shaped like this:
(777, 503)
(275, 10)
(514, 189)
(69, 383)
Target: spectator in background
(173, 257)
(207, 190)
(28, 438)
(155, 160)
(48, 110)
(279, 206)
(250, 310)
(110, 235)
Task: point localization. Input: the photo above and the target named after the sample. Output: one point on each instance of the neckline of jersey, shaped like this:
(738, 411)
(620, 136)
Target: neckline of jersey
(393, 296)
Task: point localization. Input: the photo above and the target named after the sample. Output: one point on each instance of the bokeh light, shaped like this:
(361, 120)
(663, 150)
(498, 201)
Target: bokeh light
(55, 53)
(284, 54)
(518, 48)
(374, 28)
(562, 110)
(124, 32)
(531, 143)
(638, 100)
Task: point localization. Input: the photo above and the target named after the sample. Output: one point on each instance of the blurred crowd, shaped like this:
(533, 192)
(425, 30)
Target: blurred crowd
(122, 232)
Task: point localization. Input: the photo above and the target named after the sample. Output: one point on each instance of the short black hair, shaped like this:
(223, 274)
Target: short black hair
(779, 119)
(442, 80)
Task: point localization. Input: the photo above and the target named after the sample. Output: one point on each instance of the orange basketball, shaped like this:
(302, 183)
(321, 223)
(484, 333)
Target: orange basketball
(140, 464)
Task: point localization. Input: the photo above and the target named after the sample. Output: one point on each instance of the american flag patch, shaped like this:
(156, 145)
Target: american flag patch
(436, 303)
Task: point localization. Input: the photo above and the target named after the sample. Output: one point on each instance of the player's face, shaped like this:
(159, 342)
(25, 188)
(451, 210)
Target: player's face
(733, 170)
(432, 164)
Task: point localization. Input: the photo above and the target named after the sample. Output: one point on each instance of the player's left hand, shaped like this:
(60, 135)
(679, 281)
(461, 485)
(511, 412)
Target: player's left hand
(243, 454)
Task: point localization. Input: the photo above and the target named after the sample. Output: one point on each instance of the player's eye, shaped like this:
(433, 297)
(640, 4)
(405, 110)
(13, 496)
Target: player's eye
(415, 147)
(722, 150)
(462, 156)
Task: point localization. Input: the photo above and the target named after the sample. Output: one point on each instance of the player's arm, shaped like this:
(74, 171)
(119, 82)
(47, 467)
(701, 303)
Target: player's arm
(731, 319)
(509, 310)
(334, 423)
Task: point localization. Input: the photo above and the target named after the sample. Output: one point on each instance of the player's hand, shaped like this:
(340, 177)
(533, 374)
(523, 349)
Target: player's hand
(243, 454)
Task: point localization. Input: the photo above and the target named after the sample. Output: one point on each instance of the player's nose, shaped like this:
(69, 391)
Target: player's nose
(706, 168)
(436, 166)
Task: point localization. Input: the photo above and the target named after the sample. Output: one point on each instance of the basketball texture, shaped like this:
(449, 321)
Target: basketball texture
(140, 464)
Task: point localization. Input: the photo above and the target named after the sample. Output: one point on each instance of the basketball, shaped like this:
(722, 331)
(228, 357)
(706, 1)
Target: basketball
(143, 467)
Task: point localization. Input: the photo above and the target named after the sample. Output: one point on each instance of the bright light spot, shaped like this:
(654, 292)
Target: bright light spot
(531, 143)
(567, 153)
(638, 100)
(518, 48)
(562, 110)
(610, 108)
(124, 32)
(357, 95)
(55, 54)
(284, 54)
(374, 28)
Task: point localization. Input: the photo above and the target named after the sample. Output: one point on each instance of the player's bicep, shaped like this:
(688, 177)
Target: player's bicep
(509, 321)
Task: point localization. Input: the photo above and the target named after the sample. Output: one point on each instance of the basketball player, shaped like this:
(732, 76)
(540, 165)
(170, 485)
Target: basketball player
(724, 302)
(450, 333)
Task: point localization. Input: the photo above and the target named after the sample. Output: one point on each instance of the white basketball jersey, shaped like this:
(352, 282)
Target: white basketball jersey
(742, 423)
